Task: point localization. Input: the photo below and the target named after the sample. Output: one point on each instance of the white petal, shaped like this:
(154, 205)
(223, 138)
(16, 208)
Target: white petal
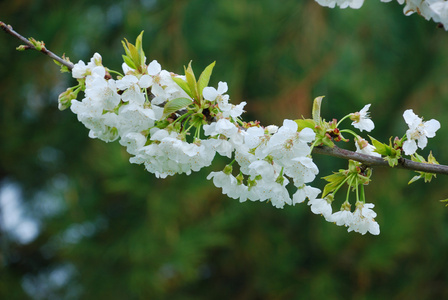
(409, 147)
(222, 87)
(422, 142)
(145, 81)
(364, 110)
(431, 127)
(307, 135)
(410, 117)
(210, 93)
(154, 68)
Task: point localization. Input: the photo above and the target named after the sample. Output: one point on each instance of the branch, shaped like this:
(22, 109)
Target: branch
(373, 161)
(30, 45)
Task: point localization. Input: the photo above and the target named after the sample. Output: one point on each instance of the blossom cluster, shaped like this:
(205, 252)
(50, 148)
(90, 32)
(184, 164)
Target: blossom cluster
(437, 10)
(362, 220)
(175, 124)
(131, 109)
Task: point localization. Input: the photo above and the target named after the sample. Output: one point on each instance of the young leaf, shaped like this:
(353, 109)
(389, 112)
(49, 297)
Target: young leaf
(129, 62)
(134, 54)
(205, 78)
(334, 182)
(175, 105)
(139, 47)
(414, 179)
(125, 46)
(191, 80)
(316, 109)
(183, 85)
(380, 148)
(305, 123)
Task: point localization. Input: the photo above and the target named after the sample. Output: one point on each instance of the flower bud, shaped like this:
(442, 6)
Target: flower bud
(271, 129)
(65, 99)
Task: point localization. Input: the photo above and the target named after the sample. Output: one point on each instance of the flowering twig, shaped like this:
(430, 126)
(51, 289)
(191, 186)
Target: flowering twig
(373, 161)
(30, 45)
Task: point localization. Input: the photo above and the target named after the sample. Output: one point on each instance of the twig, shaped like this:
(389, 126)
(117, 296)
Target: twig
(29, 45)
(373, 161)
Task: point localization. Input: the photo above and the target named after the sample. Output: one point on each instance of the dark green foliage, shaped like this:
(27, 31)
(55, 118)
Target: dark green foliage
(123, 234)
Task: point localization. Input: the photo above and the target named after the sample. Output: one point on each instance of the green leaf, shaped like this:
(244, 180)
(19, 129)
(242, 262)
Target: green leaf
(335, 181)
(139, 47)
(175, 105)
(381, 148)
(191, 80)
(129, 62)
(135, 54)
(414, 179)
(418, 158)
(183, 85)
(316, 109)
(305, 123)
(445, 200)
(125, 46)
(205, 78)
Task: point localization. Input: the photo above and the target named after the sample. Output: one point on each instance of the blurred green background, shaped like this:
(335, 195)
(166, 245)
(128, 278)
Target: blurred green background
(78, 221)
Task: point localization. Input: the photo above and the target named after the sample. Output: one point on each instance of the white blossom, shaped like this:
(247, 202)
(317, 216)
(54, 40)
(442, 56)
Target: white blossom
(341, 218)
(81, 70)
(304, 192)
(418, 132)
(133, 141)
(211, 94)
(361, 119)
(363, 146)
(133, 118)
(132, 92)
(320, 206)
(363, 219)
(102, 91)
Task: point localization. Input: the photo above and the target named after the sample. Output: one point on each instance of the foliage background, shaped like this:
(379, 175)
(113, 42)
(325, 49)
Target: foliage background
(110, 230)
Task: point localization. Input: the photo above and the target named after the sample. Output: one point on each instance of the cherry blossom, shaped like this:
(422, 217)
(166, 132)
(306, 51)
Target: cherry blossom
(361, 119)
(418, 132)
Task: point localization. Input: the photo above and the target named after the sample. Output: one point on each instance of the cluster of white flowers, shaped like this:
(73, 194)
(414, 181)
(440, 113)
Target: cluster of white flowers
(268, 157)
(131, 109)
(429, 9)
(362, 220)
(151, 112)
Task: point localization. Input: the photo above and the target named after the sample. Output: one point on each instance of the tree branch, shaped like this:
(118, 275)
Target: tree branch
(29, 45)
(373, 161)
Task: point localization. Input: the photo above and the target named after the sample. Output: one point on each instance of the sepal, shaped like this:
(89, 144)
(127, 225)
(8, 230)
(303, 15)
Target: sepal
(391, 155)
(427, 177)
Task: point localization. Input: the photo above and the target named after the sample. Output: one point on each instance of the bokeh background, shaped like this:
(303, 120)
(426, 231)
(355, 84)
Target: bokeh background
(78, 221)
